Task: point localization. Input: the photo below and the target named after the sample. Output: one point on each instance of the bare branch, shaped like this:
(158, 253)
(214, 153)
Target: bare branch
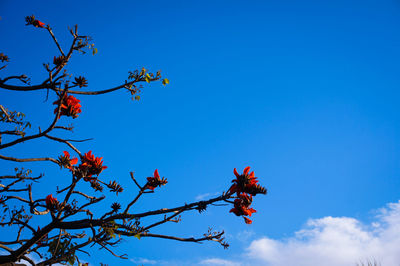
(124, 256)
(6, 113)
(20, 177)
(189, 239)
(52, 86)
(52, 125)
(69, 128)
(28, 159)
(54, 39)
(64, 141)
(134, 180)
(166, 219)
(84, 195)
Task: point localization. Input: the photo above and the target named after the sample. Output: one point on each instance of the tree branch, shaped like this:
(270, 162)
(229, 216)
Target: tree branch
(28, 159)
(54, 39)
(63, 141)
(52, 125)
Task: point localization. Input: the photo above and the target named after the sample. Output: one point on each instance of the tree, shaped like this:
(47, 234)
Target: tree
(69, 208)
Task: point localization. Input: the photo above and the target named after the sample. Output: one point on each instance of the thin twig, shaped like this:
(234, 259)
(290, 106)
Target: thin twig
(28, 159)
(5, 112)
(54, 39)
(63, 141)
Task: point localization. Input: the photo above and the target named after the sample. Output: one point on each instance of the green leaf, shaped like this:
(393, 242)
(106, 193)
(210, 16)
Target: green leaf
(95, 51)
(165, 82)
(147, 78)
(137, 97)
(137, 236)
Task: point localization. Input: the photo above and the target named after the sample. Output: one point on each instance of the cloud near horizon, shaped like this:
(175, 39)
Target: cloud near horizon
(336, 241)
(329, 241)
(216, 261)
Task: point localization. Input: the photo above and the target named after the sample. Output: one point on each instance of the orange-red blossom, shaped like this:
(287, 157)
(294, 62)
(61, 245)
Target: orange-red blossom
(155, 181)
(31, 20)
(246, 183)
(51, 202)
(245, 186)
(91, 165)
(69, 106)
(242, 207)
(38, 24)
(66, 161)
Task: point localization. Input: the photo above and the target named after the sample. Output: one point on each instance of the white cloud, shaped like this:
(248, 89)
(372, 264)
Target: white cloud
(245, 236)
(216, 261)
(335, 241)
(206, 195)
(37, 260)
(143, 261)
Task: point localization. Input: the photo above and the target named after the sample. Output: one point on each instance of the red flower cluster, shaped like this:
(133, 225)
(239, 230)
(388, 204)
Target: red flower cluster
(51, 202)
(91, 166)
(69, 106)
(30, 20)
(245, 186)
(246, 183)
(66, 161)
(242, 207)
(38, 24)
(155, 181)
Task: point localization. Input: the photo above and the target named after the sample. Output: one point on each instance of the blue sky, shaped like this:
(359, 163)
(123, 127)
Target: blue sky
(304, 92)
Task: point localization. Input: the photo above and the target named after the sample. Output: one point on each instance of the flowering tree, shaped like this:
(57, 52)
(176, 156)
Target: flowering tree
(69, 208)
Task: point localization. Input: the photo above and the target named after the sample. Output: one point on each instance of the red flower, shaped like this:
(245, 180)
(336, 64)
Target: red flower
(51, 202)
(69, 106)
(245, 186)
(241, 207)
(66, 161)
(247, 220)
(246, 183)
(38, 24)
(155, 181)
(31, 20)
(91, 165)
(242, 204)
